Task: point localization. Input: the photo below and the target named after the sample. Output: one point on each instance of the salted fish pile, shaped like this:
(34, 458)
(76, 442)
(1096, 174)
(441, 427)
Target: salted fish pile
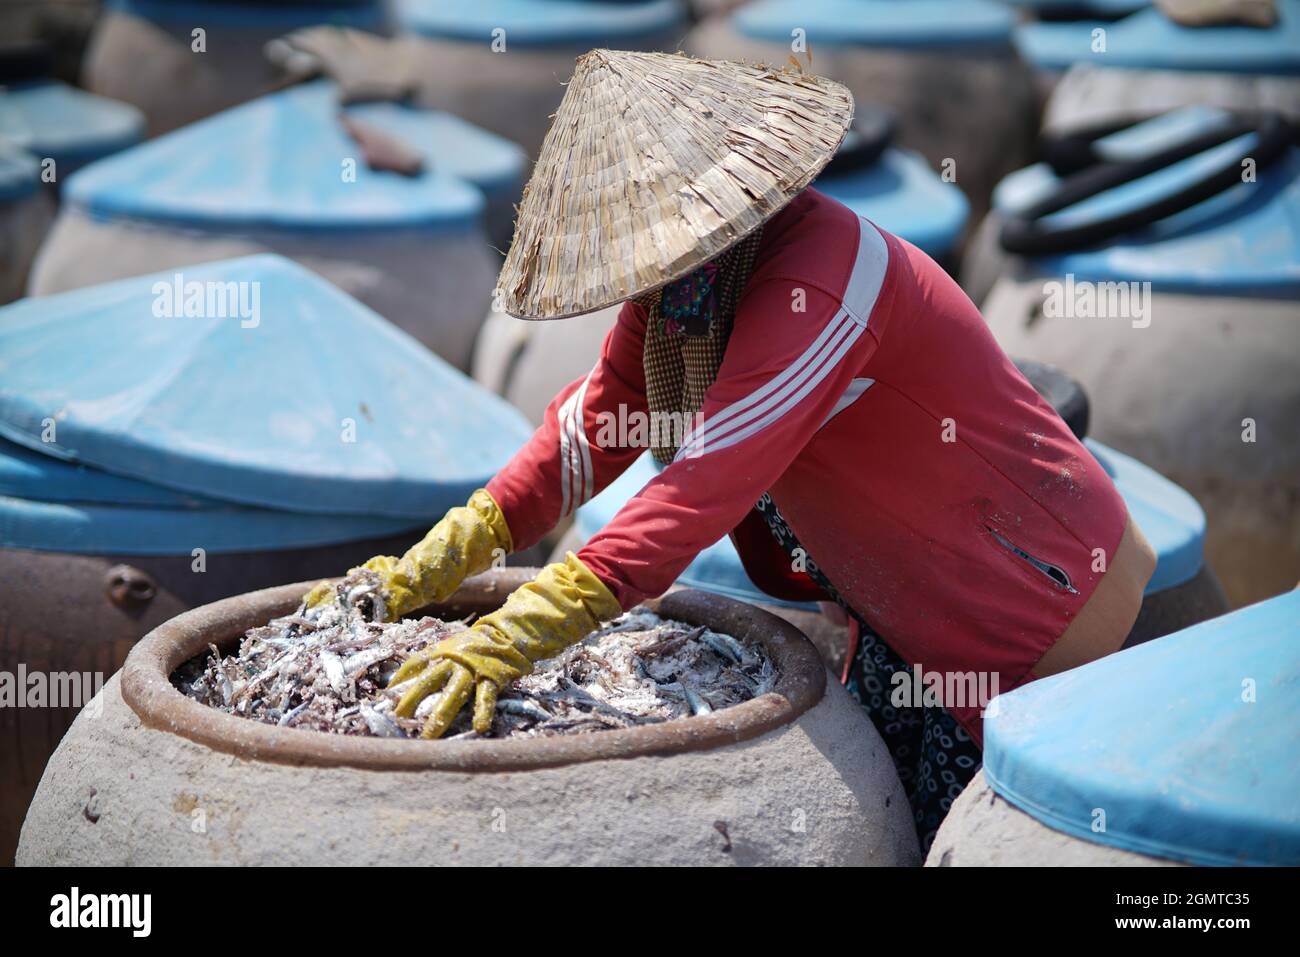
(327, 669)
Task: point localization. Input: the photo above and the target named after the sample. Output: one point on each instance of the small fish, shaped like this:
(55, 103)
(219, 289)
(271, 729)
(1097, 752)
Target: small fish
(332, 665)
(396, 691)
(639, 669)
(363, 659)
(380, 724)
(288, 717)
(371, 590)
(327, 670)
(571, 724)
(274, 670)
(694, 700)
(724, 646)
(665, 646)
(612, 718)
(750, 685)
(523, 709)
(635, 620)
(356, 593)
(581, 695)
(223, 681)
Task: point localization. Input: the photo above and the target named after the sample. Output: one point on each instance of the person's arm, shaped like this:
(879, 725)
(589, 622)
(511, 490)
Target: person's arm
(465, 542)
(571, 457)
(782, 378)
(579, 448)
(784, 374)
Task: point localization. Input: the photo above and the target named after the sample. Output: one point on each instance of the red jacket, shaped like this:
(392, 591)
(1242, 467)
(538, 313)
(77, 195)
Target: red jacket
(939, 493)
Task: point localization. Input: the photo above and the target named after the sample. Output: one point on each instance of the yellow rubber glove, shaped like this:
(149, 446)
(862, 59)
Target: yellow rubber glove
(562, 605)
(464, 543)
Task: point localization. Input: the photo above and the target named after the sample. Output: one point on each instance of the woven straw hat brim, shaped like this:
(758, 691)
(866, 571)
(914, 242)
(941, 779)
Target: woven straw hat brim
(654, 165)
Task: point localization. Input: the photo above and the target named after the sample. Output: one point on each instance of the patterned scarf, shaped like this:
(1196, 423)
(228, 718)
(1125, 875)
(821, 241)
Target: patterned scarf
(686, 336)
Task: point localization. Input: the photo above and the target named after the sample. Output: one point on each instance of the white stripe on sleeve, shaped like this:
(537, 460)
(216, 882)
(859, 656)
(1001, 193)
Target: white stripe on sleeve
(783, 391)
(576, 474)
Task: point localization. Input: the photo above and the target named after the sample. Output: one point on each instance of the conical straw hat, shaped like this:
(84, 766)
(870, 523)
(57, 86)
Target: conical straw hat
(655, 164)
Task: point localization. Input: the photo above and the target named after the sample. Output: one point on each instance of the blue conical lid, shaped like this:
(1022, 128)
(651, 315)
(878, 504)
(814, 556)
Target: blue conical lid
(1101, 8)
(50, 504)
(259, 14)
(278, 162)
(1190, 744)
(1150, 40)
(452, 145)
(20, 174)
(303, 399)
(51, 119)
(30, 475)
(877, 23)
(1245, 241)
(900, 193)
(1170, 518)
(540, 22)
(97, 529)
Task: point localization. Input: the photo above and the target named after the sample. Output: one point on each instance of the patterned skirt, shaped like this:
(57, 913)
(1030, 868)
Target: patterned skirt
(934, 755)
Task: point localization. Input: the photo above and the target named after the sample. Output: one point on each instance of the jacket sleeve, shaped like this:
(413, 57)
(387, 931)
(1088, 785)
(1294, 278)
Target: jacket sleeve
(580, 446)
(784, 372)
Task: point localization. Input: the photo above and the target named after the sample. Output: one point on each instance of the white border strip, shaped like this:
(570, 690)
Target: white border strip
(779, 394)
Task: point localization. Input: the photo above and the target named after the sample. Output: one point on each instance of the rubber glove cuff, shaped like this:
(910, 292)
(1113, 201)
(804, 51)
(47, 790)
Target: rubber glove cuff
(561, 606)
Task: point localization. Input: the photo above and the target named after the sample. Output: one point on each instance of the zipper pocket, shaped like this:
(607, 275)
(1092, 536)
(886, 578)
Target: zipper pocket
(1054, 573)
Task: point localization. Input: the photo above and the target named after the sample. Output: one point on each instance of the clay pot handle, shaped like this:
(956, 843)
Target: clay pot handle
(128, 587)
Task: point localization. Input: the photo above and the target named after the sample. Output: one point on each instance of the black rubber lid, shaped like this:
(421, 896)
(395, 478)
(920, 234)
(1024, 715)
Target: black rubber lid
(1066, 395)
(1070, 151)
(25, 60)
(872, 131)
(1026, 233)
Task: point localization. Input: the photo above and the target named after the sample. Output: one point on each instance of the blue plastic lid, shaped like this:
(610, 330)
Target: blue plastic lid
(53, 505)
(91, 529)
(20, 174)
(277, 162)
(264, 14)
(257, 408)
(1189, 744)
(1150, 40)
(880, 23)
(28, 474)
(1244, 242)
(492, 163)
(52, 120)
(540, 22)
(902, 194)
(1171, 519)
(1102, 8)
